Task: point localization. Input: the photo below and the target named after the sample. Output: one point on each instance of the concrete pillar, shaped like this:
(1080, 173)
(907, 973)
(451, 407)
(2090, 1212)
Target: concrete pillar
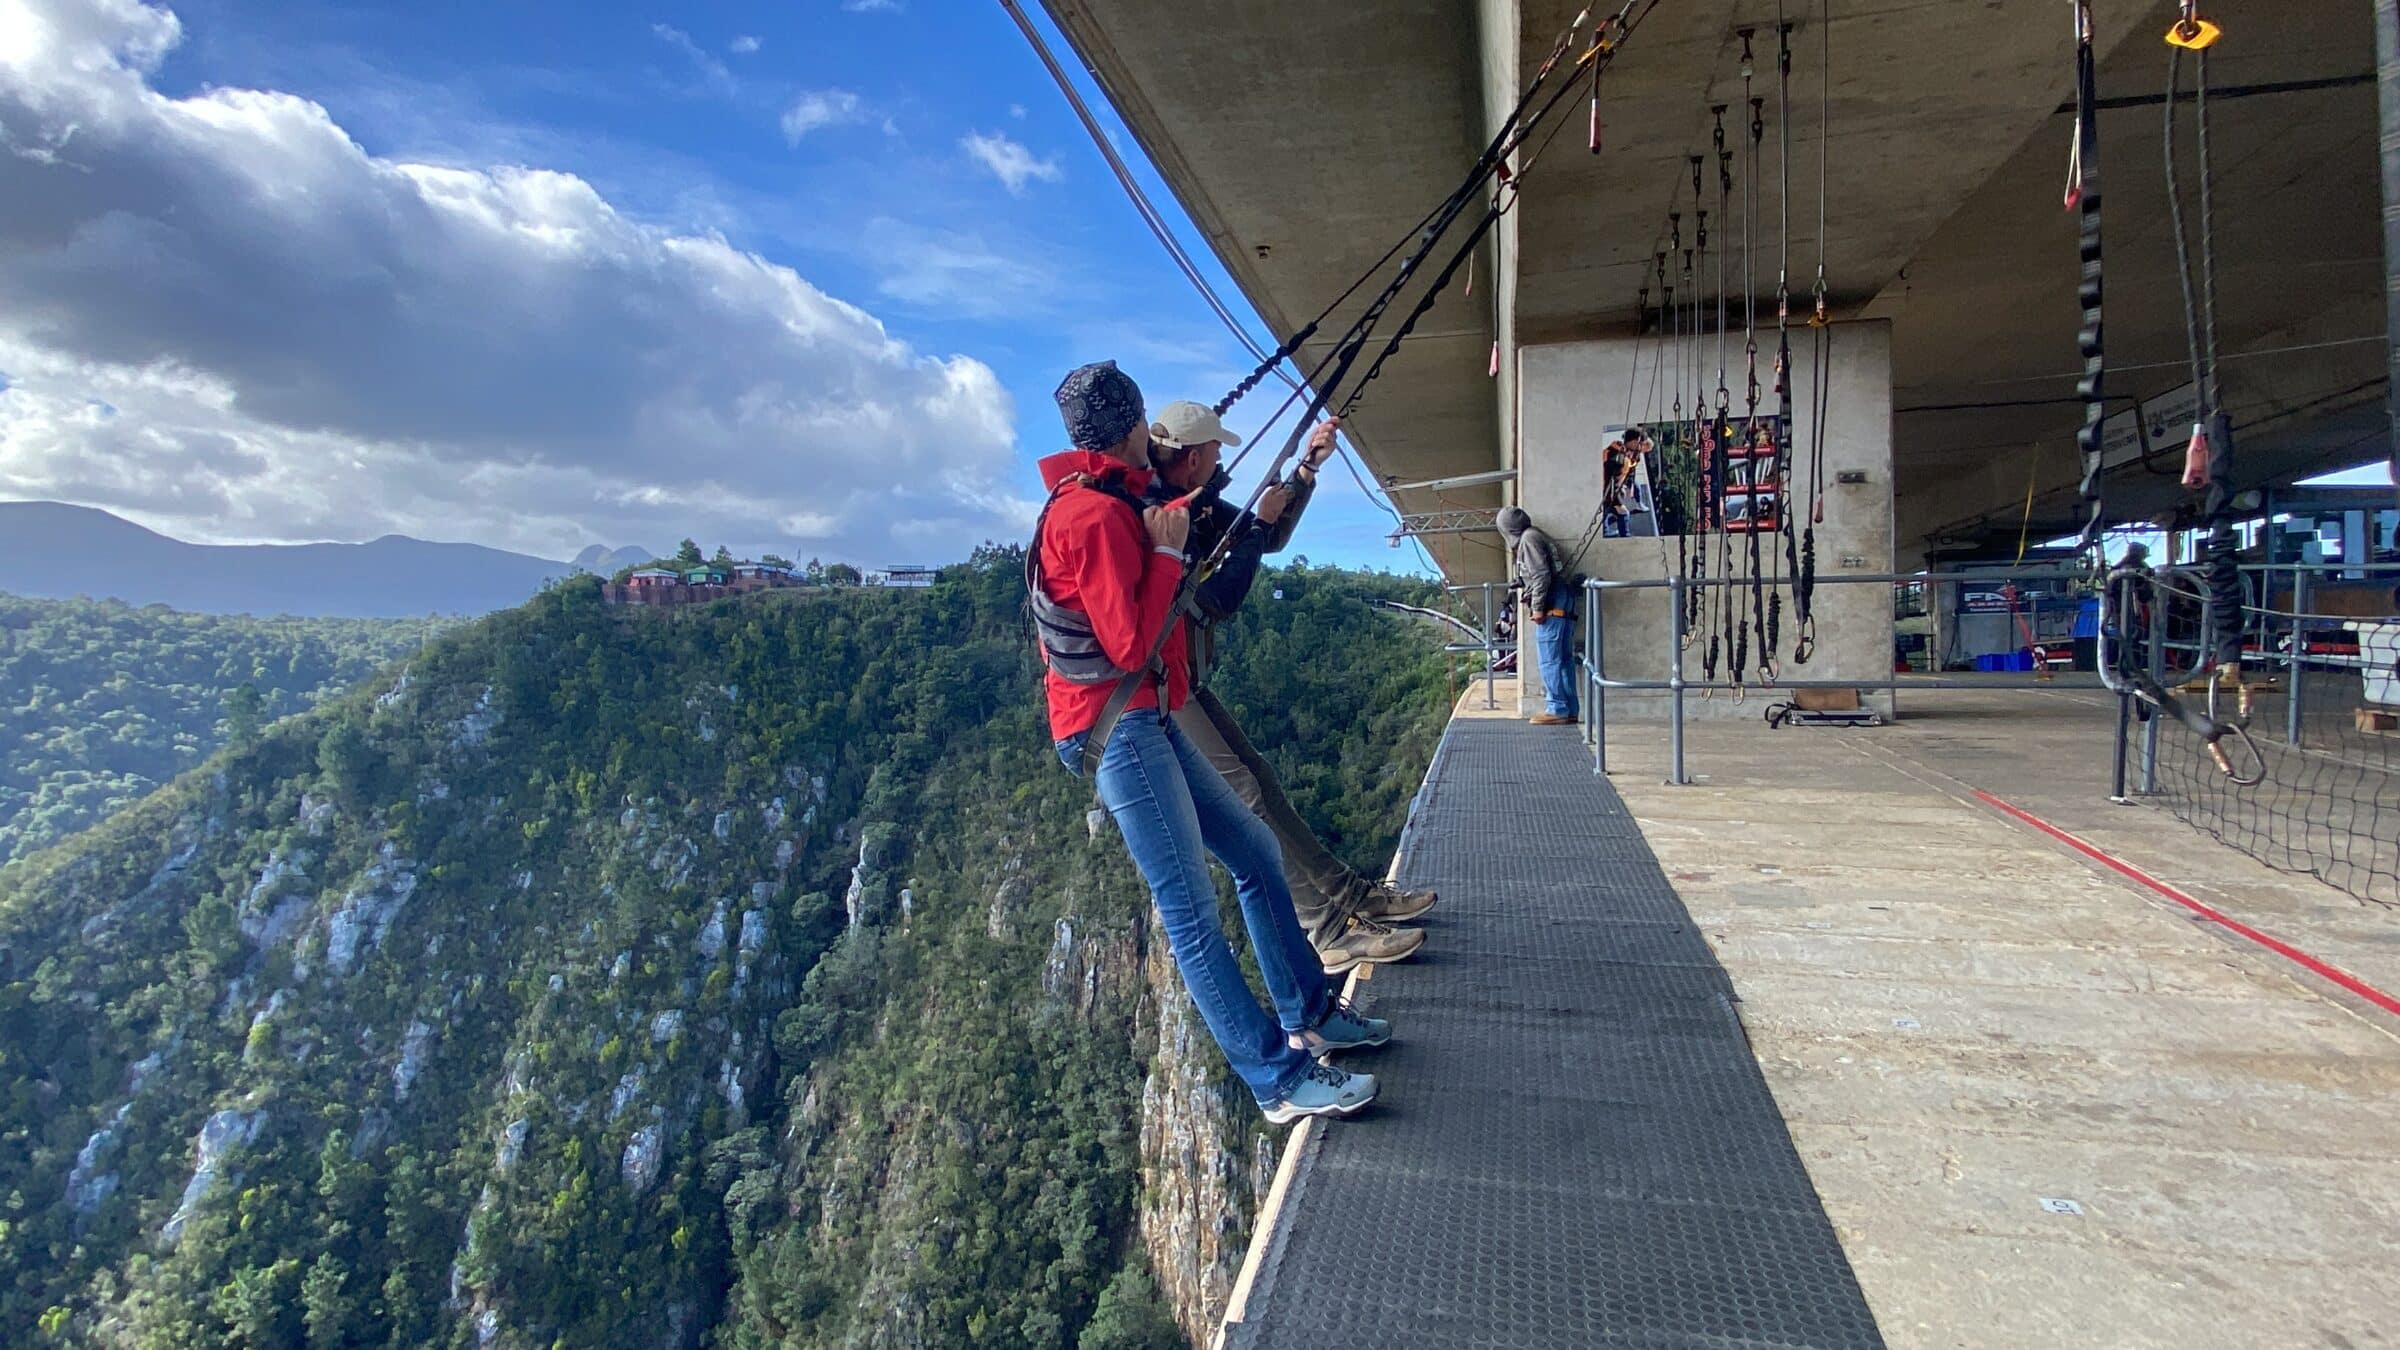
(1572, 401)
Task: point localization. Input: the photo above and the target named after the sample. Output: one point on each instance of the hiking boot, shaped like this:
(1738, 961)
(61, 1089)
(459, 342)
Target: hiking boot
(1390, 904)
(1323, 1091)
(1362, 939)
(1551, 719)
(1341, 1028)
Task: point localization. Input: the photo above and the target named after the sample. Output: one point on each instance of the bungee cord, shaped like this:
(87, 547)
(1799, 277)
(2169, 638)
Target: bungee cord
(1820, 365)
(2118, 671)
(1331, 371)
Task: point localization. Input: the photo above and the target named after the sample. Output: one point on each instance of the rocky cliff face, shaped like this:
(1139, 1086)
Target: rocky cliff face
(567, 988)
(1207, 1159)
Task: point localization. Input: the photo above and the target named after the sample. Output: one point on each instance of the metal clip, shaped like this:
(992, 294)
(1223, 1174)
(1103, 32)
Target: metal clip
(2191, 32)
(2239, 778)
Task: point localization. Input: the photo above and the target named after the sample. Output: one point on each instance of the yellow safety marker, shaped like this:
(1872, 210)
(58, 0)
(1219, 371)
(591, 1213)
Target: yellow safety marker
(2193, 33)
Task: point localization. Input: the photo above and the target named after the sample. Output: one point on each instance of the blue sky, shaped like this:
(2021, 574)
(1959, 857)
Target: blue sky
(907, 158)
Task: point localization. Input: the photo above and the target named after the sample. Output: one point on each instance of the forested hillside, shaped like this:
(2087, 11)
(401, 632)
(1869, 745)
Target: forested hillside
(746, 976)
(101, 702)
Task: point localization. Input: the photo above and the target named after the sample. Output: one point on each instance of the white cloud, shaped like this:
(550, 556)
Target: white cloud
(821, 108)
(872, 6)
(1017, 111)
(711, 69)
(744, 45)
(219, 314)
(958, 275)
(1011, 163)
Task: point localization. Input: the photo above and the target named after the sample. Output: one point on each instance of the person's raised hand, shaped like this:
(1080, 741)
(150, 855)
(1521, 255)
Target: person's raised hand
(1169, 527)
(1272, 506)
(1320, 441)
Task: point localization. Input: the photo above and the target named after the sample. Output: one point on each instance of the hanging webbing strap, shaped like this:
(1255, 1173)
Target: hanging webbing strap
(1820, 367)
(1331, 372)
(1771, 641)
(2118, 671)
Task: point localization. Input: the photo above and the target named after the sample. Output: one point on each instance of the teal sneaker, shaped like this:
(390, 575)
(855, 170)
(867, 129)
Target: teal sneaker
(1323, 1091)
(1342, 1028)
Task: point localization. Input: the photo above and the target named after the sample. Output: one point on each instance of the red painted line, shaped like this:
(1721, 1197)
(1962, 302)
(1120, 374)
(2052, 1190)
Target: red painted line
(2283, 949)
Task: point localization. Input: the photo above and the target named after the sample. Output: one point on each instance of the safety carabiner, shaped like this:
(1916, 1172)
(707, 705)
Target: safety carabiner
(2217, 681)
(2216, 751)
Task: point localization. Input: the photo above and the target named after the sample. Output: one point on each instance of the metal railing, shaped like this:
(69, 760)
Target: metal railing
(1678, 686)
(2313, 710)
(1494, 600)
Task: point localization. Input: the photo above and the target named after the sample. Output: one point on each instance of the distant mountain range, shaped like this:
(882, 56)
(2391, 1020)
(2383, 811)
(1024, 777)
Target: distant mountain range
(610, 561)
(49, 549)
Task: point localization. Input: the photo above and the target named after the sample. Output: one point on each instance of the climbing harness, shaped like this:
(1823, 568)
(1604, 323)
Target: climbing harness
(2118, 671)
(1063, 634)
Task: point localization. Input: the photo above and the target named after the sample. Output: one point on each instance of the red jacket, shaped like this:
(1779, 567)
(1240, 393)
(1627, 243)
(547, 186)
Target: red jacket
(1097, 557)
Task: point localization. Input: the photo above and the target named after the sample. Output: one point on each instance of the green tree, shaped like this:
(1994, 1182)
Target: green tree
(724, 557)
(842, 574)
(1131, 1316)
(257, 1306)
(349, 762)
(687, 554)
(327, 1310)
(243, 708)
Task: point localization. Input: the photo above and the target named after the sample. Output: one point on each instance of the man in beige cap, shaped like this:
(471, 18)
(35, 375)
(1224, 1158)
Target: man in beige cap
(1348, 917)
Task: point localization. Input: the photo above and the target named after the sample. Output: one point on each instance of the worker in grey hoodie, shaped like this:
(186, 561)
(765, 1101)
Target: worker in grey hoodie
(1548, 594)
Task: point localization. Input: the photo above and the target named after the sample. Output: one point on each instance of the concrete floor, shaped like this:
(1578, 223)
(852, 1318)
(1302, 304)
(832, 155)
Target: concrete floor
(1966, 1024)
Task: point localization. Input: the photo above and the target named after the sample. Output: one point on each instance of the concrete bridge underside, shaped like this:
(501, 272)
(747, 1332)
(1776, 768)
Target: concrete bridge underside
(1305, 138)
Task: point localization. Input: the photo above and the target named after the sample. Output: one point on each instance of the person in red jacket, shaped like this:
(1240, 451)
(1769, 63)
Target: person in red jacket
(1103, 576)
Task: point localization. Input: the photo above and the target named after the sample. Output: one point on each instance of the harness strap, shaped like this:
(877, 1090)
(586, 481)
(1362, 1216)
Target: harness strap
(1112, 485)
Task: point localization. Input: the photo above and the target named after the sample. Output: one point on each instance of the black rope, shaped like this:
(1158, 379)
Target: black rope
(1772, 646)
(1505, 197)
(1430, 227)
(1757, 615)
(2119, 670)
(1820, 366)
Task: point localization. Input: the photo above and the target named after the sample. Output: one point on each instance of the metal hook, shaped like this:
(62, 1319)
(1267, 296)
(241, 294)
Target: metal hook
(2216, 751)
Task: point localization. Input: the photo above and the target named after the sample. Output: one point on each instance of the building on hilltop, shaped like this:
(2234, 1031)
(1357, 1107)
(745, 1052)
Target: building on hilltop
(668, 586)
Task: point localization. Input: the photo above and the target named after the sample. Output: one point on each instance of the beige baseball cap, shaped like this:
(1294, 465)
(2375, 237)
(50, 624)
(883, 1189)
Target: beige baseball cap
(1183, 424)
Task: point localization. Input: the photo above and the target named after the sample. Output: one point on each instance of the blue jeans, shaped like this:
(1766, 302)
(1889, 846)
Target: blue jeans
(1554, 641)
(1174, 810)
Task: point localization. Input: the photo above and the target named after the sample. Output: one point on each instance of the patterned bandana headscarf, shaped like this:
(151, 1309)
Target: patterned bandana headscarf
(1100, 405)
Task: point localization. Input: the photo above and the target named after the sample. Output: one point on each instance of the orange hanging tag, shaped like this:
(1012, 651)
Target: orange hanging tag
(2194, 34)
(2195, 458)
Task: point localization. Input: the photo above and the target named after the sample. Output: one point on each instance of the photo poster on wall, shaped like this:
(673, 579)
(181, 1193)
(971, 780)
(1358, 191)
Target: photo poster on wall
(1669, 488)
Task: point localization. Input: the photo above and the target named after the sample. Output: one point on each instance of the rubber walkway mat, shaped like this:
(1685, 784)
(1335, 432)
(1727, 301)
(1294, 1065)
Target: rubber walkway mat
(1574, 1146)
